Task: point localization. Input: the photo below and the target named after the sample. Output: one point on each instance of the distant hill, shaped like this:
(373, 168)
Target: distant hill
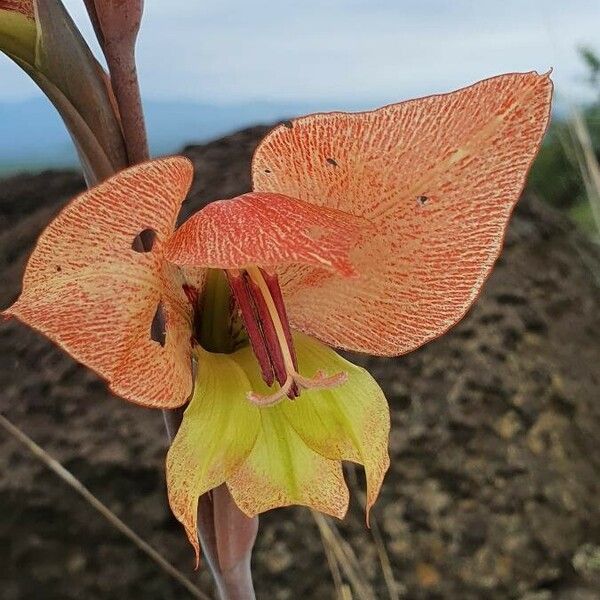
(32, 136)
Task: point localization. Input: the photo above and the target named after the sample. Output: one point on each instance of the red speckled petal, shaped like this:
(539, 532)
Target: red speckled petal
(25, 7)
(438, 176)
(88, 290)
(266, 230)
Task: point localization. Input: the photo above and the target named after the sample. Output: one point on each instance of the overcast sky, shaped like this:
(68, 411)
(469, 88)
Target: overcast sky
(369, 51)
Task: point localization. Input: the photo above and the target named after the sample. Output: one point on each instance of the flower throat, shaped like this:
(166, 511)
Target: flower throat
(260, 301)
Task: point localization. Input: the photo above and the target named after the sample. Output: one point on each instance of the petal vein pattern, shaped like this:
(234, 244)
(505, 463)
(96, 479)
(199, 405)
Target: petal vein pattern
(267, 230)
(87, 289)
(438, 177)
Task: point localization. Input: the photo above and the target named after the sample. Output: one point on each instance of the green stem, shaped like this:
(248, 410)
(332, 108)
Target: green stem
(215, 313)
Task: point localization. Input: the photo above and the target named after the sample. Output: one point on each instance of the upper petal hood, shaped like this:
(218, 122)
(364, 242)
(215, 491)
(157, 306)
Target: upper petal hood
(268, 230)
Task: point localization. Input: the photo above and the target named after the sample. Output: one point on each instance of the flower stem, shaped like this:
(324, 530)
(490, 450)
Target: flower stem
(123, 73)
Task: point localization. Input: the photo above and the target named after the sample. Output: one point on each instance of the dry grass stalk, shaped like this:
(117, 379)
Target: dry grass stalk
(76, 485)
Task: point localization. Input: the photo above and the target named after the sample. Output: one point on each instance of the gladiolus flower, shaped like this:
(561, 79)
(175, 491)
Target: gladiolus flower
(372, 232)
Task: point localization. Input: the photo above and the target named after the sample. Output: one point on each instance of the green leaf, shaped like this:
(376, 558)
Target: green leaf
(53, 53)
(65, 59)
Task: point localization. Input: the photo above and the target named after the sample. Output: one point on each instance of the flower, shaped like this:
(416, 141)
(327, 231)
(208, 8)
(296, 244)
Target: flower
(372, 232)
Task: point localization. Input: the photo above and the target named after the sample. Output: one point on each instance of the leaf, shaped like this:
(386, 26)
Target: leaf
(64, 58)
(94, 161)
(117, 23)
(438, 177)
(43, 40)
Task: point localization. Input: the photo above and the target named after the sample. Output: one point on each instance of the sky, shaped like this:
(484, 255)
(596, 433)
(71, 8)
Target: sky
(344, 51)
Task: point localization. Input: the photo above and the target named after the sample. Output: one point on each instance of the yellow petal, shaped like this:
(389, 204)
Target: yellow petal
(218, 431)
(282, 455)
(282, 470)
(301, 440)
(349, 422)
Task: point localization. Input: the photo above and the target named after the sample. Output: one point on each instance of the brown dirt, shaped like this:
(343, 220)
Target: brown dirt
(494, 482)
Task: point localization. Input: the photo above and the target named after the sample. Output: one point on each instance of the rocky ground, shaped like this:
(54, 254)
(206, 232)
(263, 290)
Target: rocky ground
(495, 478)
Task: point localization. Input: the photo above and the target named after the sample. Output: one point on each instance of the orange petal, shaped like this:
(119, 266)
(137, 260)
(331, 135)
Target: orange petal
(25, 7)
(88, 290)
(438, 176)
(266, 230)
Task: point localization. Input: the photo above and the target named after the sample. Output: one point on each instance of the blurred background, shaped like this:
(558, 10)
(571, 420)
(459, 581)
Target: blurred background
(495, 478)
(209, 68)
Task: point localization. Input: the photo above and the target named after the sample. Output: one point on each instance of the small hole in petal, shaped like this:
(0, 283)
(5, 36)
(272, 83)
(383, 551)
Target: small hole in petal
(288, 124)
(58, 268)
(422, 200)
(159, 325)
(267, 170)
(144, 242)
(332, 161)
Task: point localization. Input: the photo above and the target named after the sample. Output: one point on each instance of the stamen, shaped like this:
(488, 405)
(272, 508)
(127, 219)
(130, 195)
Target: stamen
(261, 303)
(256, 275)
(239, 287)
(321, 380)
(275, 290)
(270, 334)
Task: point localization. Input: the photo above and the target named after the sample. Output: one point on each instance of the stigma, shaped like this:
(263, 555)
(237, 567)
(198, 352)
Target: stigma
(259, 298)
